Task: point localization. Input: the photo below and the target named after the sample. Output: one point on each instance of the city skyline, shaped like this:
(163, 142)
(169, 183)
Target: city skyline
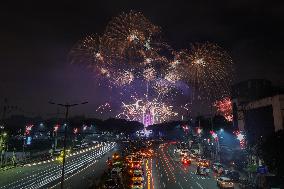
(36, 45)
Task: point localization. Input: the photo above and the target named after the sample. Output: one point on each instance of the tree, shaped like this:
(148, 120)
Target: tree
(272, 153)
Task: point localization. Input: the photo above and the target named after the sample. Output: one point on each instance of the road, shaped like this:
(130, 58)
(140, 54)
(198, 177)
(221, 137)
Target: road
(166, 171)
(80, 167)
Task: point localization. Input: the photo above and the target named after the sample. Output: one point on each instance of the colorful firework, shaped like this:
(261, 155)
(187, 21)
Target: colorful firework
(89, 51)
(172, 76)
(104, 108)
(131, 49)
(224, 107)
(129, 37)
(207, 68)
(146, 111)
(123, 78)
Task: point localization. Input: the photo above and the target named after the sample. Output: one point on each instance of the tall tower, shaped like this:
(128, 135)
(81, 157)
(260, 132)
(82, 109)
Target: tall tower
(148, 118)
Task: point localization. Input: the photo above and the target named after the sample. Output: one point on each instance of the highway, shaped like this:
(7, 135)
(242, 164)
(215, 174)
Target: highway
(166, 171)
(79, 167)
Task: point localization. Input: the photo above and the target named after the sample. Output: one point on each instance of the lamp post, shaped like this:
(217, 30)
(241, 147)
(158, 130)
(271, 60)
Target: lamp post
(55, 129)
(216, 139)
(2, 146)
(67, 106)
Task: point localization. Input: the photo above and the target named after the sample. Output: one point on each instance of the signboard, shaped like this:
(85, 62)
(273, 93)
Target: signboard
(29, 140)
(262, 169)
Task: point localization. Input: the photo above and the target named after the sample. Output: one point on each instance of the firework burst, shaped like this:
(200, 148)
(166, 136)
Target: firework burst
(104, 108)
(131, 50)
(129, 36)
(225, 108)
(147, 111)
(89, 51)
(207, 68)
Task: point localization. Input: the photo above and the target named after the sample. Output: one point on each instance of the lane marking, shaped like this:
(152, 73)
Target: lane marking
(199, 185)
(180, 185)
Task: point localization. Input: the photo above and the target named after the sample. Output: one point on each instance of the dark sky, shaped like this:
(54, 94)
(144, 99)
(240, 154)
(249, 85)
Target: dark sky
(35, 39)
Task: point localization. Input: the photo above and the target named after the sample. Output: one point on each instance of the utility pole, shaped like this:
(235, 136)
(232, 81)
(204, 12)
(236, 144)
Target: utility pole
(67, 106)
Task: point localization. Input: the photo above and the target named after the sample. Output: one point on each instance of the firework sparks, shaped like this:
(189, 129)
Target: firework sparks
(104, 108)
(143, 110)
(129, 35)
(207, 68)
(149, 74)
(172, 76)
(89, 51)
(123, 78)
(162, 87)
(128, 49)
(224, 107)
(131, 50)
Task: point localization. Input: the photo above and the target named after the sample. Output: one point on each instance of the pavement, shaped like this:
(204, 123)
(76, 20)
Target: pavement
(168, 172)
(79, 171)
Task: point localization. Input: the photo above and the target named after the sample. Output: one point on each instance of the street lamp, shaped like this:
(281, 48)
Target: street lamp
(216, 139)
(3, 139)
(67, 106)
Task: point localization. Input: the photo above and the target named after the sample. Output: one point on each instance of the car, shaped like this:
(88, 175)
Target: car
(136, 170)
(137, 185)
(225, 182)
(178, 149)
(137, 176)
(115, 156)
(203, 163)
(202, 171)
(135, 165)
(185, 160)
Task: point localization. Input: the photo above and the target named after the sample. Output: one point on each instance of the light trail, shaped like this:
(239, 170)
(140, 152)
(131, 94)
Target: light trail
(53, 173)
(168, 165)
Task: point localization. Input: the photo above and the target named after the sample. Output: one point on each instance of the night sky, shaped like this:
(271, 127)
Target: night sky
(35, 39)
